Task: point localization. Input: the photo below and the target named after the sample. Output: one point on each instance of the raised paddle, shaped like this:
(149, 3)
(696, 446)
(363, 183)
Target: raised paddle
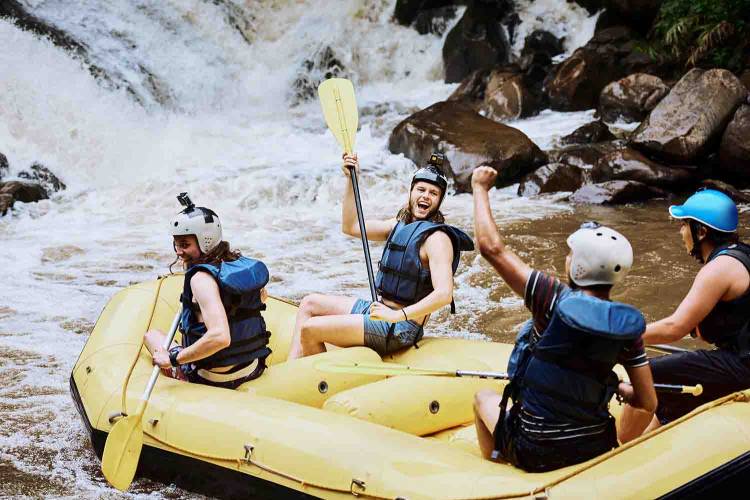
(395, 369)
(340, 112)
(124, 442)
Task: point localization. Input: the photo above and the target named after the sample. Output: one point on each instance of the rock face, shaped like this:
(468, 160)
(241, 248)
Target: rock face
(691, 117)
(478, 41)
(3, 166)
(734, 151)
(506, 97)
(407, 11)
(615, 193)
(42, 175)
(551, 178)
(13, 191)
(596, 131)
(468, 141)
(745, 79)
(434, 20)
(628, 164)
(575, 84)
(322, 65)
(631, 98)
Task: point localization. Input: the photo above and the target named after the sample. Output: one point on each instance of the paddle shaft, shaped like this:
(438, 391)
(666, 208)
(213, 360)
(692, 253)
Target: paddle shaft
(363, 232)
(671, 349)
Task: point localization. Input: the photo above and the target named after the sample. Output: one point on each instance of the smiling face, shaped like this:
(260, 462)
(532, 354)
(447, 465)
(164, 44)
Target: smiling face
(424, 200)
(187, 249)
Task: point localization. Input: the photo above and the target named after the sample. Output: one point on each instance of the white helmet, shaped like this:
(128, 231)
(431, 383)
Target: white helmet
(600, 255)
(200, 221)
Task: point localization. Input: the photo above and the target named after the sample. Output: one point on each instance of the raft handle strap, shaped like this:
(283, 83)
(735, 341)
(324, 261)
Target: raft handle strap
(359, 483)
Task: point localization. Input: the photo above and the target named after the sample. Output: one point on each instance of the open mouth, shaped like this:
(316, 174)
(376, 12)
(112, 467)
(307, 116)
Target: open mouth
(423, 206)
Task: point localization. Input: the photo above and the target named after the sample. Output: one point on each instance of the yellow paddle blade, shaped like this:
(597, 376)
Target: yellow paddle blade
(340, 110)
(387, 369)
(122, 451)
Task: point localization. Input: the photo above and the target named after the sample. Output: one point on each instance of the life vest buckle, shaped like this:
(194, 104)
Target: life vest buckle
(360, 484)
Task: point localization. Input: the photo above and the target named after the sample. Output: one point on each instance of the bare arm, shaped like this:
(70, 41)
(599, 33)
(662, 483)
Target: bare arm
(206, 293)
(377, 230)
(439, 252)
(641, 403)
(710, 285)
(511, 268)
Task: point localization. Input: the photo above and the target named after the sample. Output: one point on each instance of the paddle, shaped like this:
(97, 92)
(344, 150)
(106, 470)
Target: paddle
(394, 369)
(124, 442)
(340, 112)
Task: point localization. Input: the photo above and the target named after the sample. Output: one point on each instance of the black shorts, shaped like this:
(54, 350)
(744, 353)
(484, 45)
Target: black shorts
(721, 372)
(193, 375)
(534, 455)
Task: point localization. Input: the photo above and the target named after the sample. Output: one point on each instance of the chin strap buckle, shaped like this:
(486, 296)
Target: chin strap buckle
(358, 483)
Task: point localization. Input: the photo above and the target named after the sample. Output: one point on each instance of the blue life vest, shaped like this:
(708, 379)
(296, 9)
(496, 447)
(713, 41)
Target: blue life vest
(728, 323)
(567, 375)
(401, 277)
(240, 282)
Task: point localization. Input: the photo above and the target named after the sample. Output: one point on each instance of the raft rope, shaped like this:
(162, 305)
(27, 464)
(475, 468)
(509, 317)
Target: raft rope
(123, 400)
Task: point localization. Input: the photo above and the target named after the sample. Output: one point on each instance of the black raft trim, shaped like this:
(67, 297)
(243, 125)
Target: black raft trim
(189, 473)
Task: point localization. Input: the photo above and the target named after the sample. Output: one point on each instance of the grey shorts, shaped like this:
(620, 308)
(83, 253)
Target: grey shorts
(384, 337)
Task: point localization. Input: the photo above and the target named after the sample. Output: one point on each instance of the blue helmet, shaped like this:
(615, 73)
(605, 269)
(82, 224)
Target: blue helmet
(709, 207)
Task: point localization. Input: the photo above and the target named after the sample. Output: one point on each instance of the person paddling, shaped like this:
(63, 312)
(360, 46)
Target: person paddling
(561, 368)
(716, 309)
(224, 336)
(414, 279)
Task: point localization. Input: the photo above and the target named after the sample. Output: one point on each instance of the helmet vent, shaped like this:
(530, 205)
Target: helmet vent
(176, 223)
(613, 237)
(599, 234)
(617, 267)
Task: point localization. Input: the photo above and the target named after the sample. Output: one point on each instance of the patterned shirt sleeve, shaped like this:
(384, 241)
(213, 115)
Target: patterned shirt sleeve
(633, 354)
(541, 294)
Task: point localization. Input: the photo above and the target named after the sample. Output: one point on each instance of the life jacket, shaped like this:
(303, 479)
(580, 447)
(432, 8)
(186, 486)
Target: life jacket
(728, 323)
(567, 375)
(240, 282)
(401, 277)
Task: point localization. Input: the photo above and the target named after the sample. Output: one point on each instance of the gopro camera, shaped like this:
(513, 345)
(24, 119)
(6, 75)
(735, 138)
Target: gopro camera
(185, 201)
(436, 160)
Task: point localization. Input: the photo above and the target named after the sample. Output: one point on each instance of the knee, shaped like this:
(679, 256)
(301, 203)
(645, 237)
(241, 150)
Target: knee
(480, 397)
(310, 304)
(307, 333)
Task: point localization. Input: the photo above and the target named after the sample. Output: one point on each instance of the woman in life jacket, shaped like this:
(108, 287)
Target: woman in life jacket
(414, 279)
(716, 309)
(561, 367)
(224, 337)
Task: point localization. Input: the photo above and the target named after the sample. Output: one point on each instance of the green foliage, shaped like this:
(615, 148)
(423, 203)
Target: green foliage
(713, 33)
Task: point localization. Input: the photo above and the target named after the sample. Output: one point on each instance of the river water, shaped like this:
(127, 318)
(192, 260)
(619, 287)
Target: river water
(211, 110)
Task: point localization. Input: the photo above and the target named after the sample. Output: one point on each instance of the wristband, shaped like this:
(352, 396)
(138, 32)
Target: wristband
(404, 311)
(173, 357)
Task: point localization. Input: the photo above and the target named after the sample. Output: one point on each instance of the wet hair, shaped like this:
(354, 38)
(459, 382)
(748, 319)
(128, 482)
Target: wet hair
(220, 253)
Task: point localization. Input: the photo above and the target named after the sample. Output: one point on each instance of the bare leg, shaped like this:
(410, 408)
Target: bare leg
(486, 415)
(316, 305)
(342, 330)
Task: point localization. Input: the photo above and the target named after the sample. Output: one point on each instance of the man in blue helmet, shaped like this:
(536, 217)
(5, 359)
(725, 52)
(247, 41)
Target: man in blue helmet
(415, 274)
(561, 367)
(716, 309)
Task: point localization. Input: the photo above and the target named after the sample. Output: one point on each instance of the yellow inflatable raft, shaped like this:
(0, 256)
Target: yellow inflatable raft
(297, 431)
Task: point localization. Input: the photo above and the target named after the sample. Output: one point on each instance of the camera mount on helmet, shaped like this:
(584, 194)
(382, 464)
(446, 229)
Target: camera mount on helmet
(185, 201)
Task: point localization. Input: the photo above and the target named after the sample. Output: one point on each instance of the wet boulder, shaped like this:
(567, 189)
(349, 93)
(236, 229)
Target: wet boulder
(734, 151)
(4, 167)
(691, 118)
(596, 131)
(321, 65)
(472, 88)
(478, 40)
(729, 190)
(44, 177)
(507, 97)
(407, 11)
(615, 193)
(624, 163)
(25, 192)
(585, 156)
(468, 141)
(631, 98)
(434, 21)
(745, 79)
(542, 42)
(575, 84)
(551, 178)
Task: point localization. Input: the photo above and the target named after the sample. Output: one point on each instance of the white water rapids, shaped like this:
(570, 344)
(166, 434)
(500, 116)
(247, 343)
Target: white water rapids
(208, 112)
